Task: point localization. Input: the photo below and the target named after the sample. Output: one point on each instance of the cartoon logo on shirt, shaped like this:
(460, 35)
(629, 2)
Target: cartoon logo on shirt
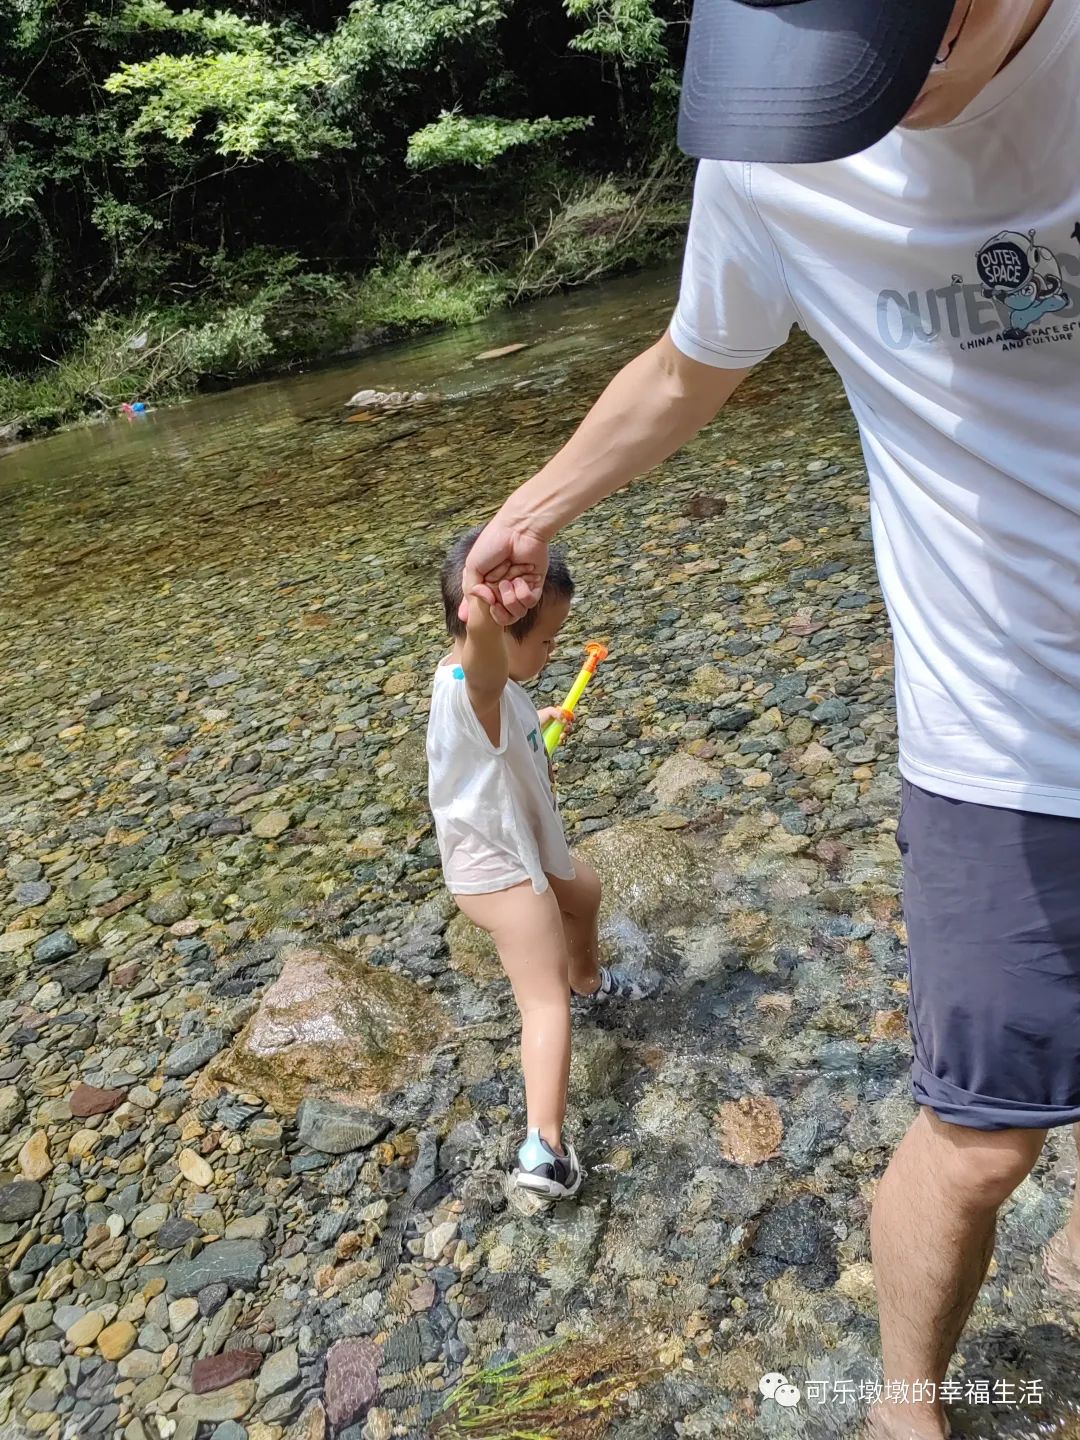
(1022, 276)
(1025, 294)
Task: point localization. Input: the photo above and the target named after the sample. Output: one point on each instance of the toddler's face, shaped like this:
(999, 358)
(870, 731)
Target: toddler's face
(529, 656)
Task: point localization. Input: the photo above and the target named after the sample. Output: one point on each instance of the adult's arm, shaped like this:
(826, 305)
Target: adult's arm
(653, 407)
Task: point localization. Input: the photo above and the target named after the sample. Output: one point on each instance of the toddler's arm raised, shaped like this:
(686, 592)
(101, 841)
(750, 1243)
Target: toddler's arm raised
(486, 665)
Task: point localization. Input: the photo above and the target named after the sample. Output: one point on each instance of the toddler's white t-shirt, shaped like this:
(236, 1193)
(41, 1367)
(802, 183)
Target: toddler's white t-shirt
(495, 813)
(940, 272)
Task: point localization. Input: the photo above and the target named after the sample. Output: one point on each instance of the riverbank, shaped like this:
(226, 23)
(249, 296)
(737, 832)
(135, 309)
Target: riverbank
(267, 314)
(220, 880)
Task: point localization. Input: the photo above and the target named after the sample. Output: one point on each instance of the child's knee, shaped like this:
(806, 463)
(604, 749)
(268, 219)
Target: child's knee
(544, 1000)
(587, 890)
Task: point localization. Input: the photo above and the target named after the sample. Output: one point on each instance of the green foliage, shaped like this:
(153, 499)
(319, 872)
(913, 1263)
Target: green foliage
(572, 1389)
(405, 35)
(21, 179)
(228, 170)
(235, 343)
(255, 107)
(603, 228)
(94, 375)
(259, 311)
(218, 27)
(123, 223)
(629, 31)
(260, 92)
(21, 331)
(478, 140)
(415, 292)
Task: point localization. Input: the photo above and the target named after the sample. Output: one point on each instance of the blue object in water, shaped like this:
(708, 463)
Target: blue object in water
(139, 407)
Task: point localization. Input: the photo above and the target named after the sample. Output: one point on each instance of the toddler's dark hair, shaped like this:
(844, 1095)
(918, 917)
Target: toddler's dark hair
(557, 586)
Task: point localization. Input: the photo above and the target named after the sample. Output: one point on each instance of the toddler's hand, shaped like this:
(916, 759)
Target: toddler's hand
(556, 712)
(479, 612)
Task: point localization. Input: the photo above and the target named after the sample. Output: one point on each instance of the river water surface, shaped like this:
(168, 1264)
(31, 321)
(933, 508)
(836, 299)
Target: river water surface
(219, 626)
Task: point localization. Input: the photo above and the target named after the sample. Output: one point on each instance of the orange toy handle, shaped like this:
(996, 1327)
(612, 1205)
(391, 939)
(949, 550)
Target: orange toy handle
(595, 652)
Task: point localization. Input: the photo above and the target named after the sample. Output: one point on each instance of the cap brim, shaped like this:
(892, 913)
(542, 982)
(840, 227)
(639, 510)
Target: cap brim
(802, 82)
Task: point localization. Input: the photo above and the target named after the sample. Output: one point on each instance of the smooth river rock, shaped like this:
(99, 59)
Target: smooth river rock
(215, 1372)
(235, 1263)
(332, 1026)
(352, 1380)
(185, 1059)
(89, 1100)
(20, 1200)
(648, 873)
(232, 1403)
(337, 1129)
(60, 945)
(35, 1162)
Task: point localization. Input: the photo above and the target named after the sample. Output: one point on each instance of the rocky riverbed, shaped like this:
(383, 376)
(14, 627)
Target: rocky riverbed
(257, 1085)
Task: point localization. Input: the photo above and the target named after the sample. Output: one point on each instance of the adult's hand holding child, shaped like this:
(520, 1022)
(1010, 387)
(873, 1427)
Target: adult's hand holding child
(506, 568)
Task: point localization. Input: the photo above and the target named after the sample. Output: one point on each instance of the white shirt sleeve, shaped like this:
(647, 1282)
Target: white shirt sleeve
(466, 720)
(734, 308)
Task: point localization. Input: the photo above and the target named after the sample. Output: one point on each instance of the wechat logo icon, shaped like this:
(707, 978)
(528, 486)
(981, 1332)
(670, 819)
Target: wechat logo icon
(775, 1386)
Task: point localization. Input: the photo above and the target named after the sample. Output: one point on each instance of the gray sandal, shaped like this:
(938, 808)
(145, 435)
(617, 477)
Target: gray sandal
(619, 984)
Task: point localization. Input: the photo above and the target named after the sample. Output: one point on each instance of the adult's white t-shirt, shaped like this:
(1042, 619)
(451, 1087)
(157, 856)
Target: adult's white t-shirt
(940, 271)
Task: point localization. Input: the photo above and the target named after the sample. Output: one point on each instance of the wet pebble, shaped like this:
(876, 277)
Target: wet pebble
(193, 1054)
(60, 945)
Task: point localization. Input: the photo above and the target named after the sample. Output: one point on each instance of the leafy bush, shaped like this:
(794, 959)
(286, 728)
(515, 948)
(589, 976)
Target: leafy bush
(477, 140)
(97, 374)
(604, 228)
(415, 291)
(249, 318)
(629, 31)
(257, 86)
(22, 332)
(235, 343)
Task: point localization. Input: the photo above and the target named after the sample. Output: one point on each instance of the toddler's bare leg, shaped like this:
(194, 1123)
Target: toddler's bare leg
(528, 934)
(579, 901)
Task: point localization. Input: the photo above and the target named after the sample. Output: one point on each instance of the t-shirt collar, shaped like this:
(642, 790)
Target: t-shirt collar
(1056, 27)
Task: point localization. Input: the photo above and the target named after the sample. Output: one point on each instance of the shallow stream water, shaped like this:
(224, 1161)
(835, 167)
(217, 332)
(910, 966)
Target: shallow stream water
(227, 611)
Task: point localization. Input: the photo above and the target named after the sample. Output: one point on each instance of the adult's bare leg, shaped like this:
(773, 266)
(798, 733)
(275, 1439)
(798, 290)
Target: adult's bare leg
(932, 1236)
(1063, 1252)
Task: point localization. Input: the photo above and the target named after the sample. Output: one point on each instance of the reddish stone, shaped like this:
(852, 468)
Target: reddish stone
(214, 1372)
(114, 907)
(352, 1381)
(125, 975)
(832, 854)
(423, 1297)
(86, 1100)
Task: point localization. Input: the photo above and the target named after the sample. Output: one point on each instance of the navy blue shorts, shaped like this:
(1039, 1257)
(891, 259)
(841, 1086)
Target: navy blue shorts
(992, 904)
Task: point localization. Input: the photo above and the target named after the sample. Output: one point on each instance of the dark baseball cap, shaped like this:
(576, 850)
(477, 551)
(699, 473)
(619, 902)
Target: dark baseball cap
(797, 81)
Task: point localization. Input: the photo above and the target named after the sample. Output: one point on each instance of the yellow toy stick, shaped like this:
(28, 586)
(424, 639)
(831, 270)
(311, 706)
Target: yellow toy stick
(553, 731)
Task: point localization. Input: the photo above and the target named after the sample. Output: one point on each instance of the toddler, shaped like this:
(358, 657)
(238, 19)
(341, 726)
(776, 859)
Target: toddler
(504, 855)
